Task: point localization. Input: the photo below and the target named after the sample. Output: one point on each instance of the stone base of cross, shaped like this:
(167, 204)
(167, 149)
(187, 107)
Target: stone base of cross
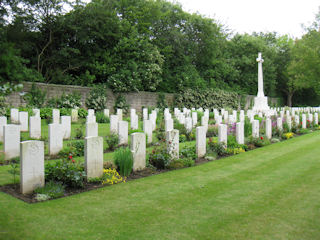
(261, 104)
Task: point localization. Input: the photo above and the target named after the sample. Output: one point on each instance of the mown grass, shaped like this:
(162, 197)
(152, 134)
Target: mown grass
(268, 193)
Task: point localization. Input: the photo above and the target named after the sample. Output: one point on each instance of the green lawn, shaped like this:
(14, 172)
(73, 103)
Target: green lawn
(268, 193)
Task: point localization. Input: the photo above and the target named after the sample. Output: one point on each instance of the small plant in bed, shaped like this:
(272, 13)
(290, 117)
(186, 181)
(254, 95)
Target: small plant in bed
(50, 190)
(124, 161)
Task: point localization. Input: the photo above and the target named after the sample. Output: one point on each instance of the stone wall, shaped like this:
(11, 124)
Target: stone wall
(136, 100)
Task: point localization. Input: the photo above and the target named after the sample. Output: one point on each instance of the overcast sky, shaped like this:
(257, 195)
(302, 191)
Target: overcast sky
(282, 16)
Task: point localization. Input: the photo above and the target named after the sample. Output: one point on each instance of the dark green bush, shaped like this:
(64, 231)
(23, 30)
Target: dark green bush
(212, 131)
(52, 189)
(121, 103)
(188, 152)
(35, 97)
(215, 147)
(97, 98)
(124, 160)
(112, 141)
(159, 158)
(101, 118)
(82, 113)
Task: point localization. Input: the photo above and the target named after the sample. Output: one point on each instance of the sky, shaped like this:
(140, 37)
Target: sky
(247, 16)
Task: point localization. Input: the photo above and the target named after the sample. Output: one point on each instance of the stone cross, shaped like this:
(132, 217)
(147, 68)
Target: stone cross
(260, 76)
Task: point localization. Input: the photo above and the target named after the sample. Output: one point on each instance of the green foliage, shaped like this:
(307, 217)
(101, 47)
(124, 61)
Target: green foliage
(212, 131)
(161, 101)
(51, 189)
(259, 142)
(188, 152)
(159, 158)
(124, 160)
(46, 113)
(101, 118)
(121, 103)
(97, 98)
(71, 100)
(215, 147)
(74, 149)
(35, 97)
(68, 172)
(180, 163)
(207, 98)
(247, 128)
(79, 132)
(112, 141)
(82, 113)
(15, 169)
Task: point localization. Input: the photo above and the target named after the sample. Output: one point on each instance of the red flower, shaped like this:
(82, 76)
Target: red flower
(73, 161)
(308, 120)
(153, 151)
(70, 156)
(261, 138)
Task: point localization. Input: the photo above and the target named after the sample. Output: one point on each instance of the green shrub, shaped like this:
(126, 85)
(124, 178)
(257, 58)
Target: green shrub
(65, 111)
(159, 158)
(46, 113)
(212, 131)
(74, 148)
(188, 152)
(82, 113)
(101, 118)
(68, 172)
(97, 98)
(112, 141)
(70, 100)
(180, 163)
(35, 97)
(259, 142)
(247, 127)
(52, 189)
(161, 101)
(79, 133)
(124, 160)
(215, 147)
(121, 103)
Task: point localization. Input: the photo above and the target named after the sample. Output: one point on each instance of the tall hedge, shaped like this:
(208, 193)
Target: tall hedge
(207, 98)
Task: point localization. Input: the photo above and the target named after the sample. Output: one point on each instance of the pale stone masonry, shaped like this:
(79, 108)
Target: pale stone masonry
(92, 129)
(240, 132)
(93, 155)
(123, 132)
(11, 141)
(172, 140)
(35, 127)
(201, 141)
(138, 149)
(31, 166)
(55, 139)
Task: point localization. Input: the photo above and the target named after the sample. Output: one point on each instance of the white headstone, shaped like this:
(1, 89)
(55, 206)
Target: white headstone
(11, 141)
(297, 120)
(204, 122)
(74, 115)
(304, 121)
(92, 129)
(316, 118)
(255, 128)
(55, 138)
(201, 141)
(240, 132)
(194, 118)
(14, 116)
(134, 122)
(93, 155)
(55, 116)
(35, 127)
(279, 123)
(91, 119)
(114, 124)
(36, 112)
(188, 124)
(172, 140)
(66, 126)
(268, 128)
(3, 121)
(23, 121)
(145, 113)
(168, 125)
(90, 112)
(223, 134)
(138, 149)
(123, 132)
(147, 128)
(106, 112)
(31, 165)
(119, 114)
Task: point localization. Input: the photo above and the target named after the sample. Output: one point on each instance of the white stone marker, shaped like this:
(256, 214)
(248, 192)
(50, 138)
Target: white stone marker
(74, 115)
(14, 116)
(255, 128)
(11, 141)
(123, 132)
(36, 112)
(145, 113)
(23, 121)
(279, 123)
(92, 129)
(242, 117)
(194, 118)
(240, 132)
(55, 138)
(268, 128)
(3, 121)
(172, 140)
(204, 122)
(316, 118)
(138, 149)
(168, 125)
(304, 121)
(55, 116)
(134, 122)
(93, 155)
(289, 121)
(106, 112)
(188, 124)
(223, 134)
(91, 118)
(201, 141)
(31, 165)
(35, 127)
(297, 120)
(90, 112)
(114, 124)
(66, 126)
(147, 128)
(119, 114)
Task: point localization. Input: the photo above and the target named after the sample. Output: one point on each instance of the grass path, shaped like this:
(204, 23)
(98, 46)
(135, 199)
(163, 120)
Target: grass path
(269, 193)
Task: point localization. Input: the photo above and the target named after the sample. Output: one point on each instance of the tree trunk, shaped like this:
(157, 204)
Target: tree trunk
(289, 99)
